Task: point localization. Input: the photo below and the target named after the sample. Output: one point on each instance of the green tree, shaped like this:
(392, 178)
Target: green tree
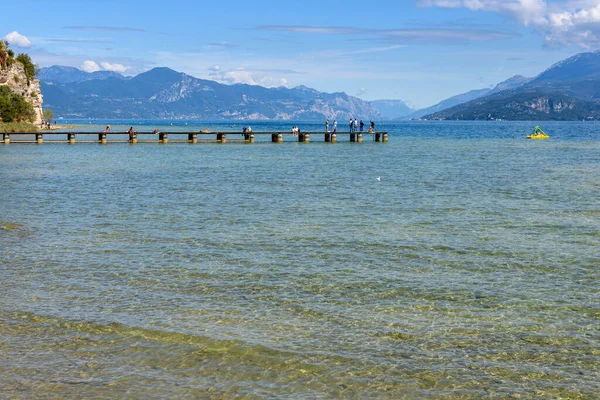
(30, 68)
(7, 112)
(14, 107)
(48, 116)
(24, 110)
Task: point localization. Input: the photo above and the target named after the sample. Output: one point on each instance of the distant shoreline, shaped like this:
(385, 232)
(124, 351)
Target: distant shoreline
(58, 127)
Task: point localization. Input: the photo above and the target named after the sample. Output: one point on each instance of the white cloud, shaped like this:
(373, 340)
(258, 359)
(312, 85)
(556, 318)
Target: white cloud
(16, 39)
(571, 22)
(527, 12)
(120, 68)
(580, 27)
(90, 66)
(246, 76)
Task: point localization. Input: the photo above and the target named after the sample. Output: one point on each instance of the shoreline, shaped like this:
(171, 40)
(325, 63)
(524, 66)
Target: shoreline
(59, 127)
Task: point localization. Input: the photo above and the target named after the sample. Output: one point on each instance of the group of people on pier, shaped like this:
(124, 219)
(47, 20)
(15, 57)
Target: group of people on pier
(354, 126)
(132, 134)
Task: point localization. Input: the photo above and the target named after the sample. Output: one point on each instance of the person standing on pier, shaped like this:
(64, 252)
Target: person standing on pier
(131, 133)
(351, 125)
(107, 130)
(355, 125)
(334, 125)
(362, 125)
(327, 125)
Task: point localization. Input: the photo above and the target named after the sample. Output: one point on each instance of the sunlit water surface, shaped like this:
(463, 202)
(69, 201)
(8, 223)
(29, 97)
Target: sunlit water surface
(471, 269)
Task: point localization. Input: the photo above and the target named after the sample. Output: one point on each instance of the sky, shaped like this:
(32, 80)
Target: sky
(420, 51)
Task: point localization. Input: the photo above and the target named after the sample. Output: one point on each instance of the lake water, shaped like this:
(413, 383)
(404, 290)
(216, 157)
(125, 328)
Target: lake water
(470, 270)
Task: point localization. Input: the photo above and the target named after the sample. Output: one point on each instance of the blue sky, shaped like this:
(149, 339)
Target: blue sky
(421, 51)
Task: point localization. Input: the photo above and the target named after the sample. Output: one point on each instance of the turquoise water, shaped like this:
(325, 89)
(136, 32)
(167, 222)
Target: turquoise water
(288, 271)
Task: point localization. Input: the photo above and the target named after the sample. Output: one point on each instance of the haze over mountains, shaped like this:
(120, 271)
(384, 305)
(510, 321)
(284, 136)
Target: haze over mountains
(568, 90)
(393, 109)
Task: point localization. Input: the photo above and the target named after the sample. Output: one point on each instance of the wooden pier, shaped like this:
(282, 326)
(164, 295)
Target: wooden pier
(193, 137)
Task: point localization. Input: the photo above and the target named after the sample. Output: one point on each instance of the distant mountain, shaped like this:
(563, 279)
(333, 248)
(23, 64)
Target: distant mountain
(58, 74)
(580, 66)
(568, 90)
(510, 83)
(164, 93)
(450, 102)
(392, 109)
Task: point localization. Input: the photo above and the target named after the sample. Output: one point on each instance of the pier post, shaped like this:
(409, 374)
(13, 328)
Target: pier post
(274, 138)
(6, 138)
(222, 137)
(385, 137)
(102, 138)
(353, 137)
(359, 137)
(378, 137)
(304, 137)
(333, 138)
(163, 137)
(39, 138)
(279, 137)
(193, 137)
(71, 138)
(133, 139)
(328, 137)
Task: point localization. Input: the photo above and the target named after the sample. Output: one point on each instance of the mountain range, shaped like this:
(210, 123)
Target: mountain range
(166, 94)
(62, 75)
(568, 90)
(393, 109)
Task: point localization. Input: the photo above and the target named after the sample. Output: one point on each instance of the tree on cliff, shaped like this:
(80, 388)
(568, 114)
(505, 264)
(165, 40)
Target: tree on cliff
(30, 68)
(7, 56)
(14, 107)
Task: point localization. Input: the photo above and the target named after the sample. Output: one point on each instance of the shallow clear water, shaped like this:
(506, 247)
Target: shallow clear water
(287, 270)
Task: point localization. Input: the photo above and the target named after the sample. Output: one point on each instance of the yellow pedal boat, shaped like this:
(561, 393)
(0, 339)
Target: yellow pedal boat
(538, 134)
(538, 137)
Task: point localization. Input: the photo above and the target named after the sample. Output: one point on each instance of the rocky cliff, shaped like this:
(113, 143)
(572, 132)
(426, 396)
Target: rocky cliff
(14, 77)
